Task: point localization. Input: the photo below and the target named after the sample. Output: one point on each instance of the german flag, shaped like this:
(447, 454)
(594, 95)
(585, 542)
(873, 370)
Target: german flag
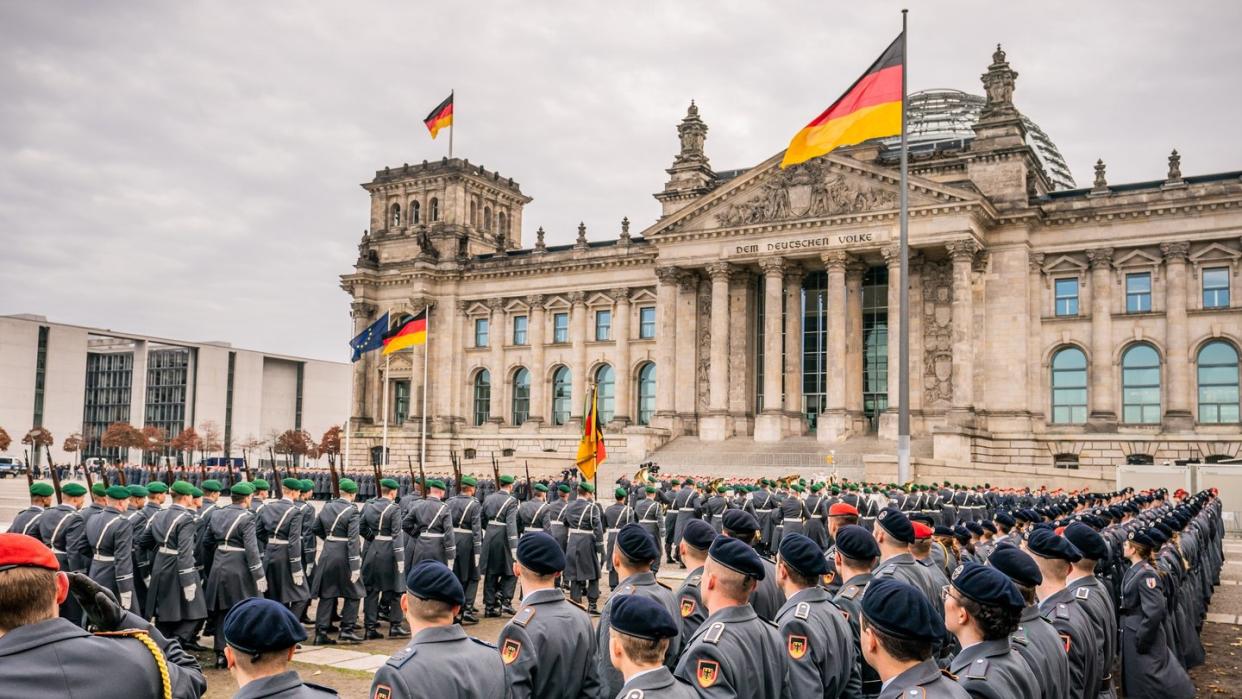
(871, 108)
(412, 331)
(440, 117)
(591, 451)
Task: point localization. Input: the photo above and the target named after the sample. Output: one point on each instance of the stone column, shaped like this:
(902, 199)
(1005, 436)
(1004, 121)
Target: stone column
(496, 350)
(833, 425)
(854, 345)
(768, 422)
(1178, 413)
(362, 313)
(578, 366)
(794, 276)
(621, 370)
(666, 345)
(892, 260)
(535, 334)
(686, 391)
(715, 425)
(463, 396)
(962, 253)
(1035, 382)
(1100, 398)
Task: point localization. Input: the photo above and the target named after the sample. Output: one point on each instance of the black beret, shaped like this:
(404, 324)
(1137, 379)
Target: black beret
(642, 617)
(1141, 537)
(539, 553)
(1087, 540)
(988, 526)
(699, 534)
(901, 610)
(1005, 518)
(803, 555)
(737, 555)
(986, 585)
(1017, 564)
(974, 528)
(739, 521)
(256, 625)
(1156, 535)
(897, 524)
(962, 534)
(857, 543)
(433, 580)
(636, 543)
(941, 530)
(1044, 542)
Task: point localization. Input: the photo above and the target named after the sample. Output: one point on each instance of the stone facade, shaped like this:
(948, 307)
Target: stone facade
(717, 296)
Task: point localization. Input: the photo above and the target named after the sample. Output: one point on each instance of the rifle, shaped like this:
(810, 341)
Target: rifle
(495, 471)
(530, 490)
(168, 476)
(202, 471)
(422, 478)
(90, 484)
(246, 464)
(378, 468)
(277, 486)
(55, 475)
(336, 483)
(29, 468)
(410, 465)
(120, 475)
(456, 468)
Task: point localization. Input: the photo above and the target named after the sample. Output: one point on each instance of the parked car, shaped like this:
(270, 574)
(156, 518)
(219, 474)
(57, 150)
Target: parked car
(11, 466)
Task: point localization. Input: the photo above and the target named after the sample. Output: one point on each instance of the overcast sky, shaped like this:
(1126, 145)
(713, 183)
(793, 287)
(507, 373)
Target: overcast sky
(191, 169)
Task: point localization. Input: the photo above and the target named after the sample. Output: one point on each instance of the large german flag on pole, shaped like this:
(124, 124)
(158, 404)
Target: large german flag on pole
(440, 117)
(591, 451)
(412, 331)
(871, 108)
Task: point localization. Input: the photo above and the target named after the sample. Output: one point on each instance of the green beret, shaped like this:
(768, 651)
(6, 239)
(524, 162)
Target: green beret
(816, 487)
(470, 481)
(118, 492)
(541, 487)
(650, 489)
(436, 483)
(182, 488)
(74, 489)
(137, 491)
(563, 487)
(506, 479)
(291, 483)
(260, 484)
(242, 488)
(195, 493)
(99, 489)
(42, 490)
(389, 483)
(308, 486)
(620, 492)
(798, 487)
(674, 482)
(212, 485)
(586, 487)
(723, 488)
(348, 485)
(156, 487)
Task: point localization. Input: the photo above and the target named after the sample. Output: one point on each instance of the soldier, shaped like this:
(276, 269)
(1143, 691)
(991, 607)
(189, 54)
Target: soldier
(714, 507)
(339, 572)
(548, 647)
(1054, 555)
(27, 521)
(822, 660)
(840, 514)
(430, 528)
(616, 516)
(500, 511)
(899, 629)
(921, 549)
(109, 542)
(174, 597)
(137, 517)
(668, 495)
(695, 541)
(382, 562)
(689, 505)
(894, 533)
(466, 514)
(556, 516)
(308, 526)
(855, 554)
(790, 515)
(816, 508)
(441, 660)
(1149, 670)
(42, 654)
(767, 597)
(99, 500)
(533, 513)
(585, 548)
(281, 523)
(647, 512)
(765, 502)
(261, 486)
(1095, 599)
(982, 608)
(236, 566)
(734, 653)
(643, 630)
(261, 636)
(1035, 639)
(62, 530)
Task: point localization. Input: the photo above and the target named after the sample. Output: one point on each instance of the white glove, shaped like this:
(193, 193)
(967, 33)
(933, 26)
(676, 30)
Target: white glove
(355, 575)
(147, 581)
(262, 586)
(125, 598)
(190, 592)
(513, 554)
(476, 560)
(450, 563)
(299, 578)
(401, 569)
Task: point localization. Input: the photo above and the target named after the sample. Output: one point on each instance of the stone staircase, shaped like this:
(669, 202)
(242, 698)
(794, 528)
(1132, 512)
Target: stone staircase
(806, 456)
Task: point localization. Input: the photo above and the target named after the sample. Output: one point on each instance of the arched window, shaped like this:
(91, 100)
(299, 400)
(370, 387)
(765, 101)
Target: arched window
(396, 215)
(646, 393)
(435, 210)
(415, 211)
(605, 393)
(521, 396)
(487, 218)
(1218, 383)
(482, 397)
(1140, 385)
(1069, 387)
(562, 388)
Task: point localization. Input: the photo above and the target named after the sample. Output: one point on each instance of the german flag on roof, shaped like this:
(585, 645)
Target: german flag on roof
(440, 117)
(871, 108)
(409, 332)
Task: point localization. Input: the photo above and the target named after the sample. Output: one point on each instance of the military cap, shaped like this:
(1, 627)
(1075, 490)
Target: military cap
(308, 486)
(291, 483)
(261, 484)
(816, 487)
(242, 488)
(433, 580)
(256, 625)
(1157, 536)
(1017, 564)
(117, 492)
(212, 485)
(738, 556)
(857, 543)
(798, 487)
(137, 491)
(1087, 540)
(920, 517)
(539, 553)
(674, 481)
(348, 485)
(1005, 518)
(961, 533)
(563, 488)
(838, 509)
(901, 610)
(921, 531)
(620, 493)
(803, 555)
(182, 488)
(73, 489)
(986, 585)
(636, 543)
(21, 551)
(988, 526)
(739, 521)
(506, 479)
(941, 530)
(722, 488)
(699, 534)
(586, 487)
(1141, 537)
(642, 617)
(543, 488)
(41, 489)
(195, 492)
(469, 481)
(99, 489)
(1045, 543)
(974, 528)
(436, 483)
(897, 524)
(391, 484)
(156, 487)
(650, 489)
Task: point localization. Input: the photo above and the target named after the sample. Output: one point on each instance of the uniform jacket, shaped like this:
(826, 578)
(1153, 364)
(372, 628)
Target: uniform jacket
(767, 597)
(444, 663)
(286, 685)
(383, 561)
(548, 649)
(281, 524)
(533, 516)
(817, 638)
(656, 684)
(430, 526)
(638, 584)
(27, 522)
(236, 566)
(849, 600)
(500, 521)
(1149, 669)
(1074, 627)
(993, 670)
(585, 540)
(923, 681)
(109, 543)
(63, 530)
(1098, 605)
(690, 607)
(1044, 652)
(168, 541)
(736, 654)
(339, 570)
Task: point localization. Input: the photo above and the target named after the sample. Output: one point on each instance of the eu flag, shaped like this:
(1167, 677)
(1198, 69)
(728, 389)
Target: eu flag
(370, 339)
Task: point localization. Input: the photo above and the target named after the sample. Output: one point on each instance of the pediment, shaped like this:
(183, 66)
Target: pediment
(643, 296)
(1065, 264)
(1137, 258)
(599, 299)
(516, 305)
(1215, 252)
(476, 308)
(557, 303)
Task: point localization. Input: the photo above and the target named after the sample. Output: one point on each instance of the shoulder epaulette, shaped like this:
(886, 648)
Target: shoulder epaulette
(714, 632)
(1063, 611)
(978, 669)
(524, 616)
(634, 694)
(481, 642)
(803, 611)
(402, 656)
(850, 592)
(693, 580)
(1082, 593)
(666, 587)
(773, 624)
(321, 688)
(948, 674)
(579, 605)
(626, 590)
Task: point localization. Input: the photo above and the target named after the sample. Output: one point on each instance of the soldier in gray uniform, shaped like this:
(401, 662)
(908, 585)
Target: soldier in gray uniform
(899, 628)
(137, 517)
(767, 596)
(648, 513)
(306, 511)
(261, 635)
(1149, 669)
(1054, 555)
(383, 562)
(894, 533)
(467, 515)
(339, 572)
(765, 504)
(236, 568)
(817, 510)
(27, 521)
(556, 516)
(687, 504)
(840, 514)
(109, 542)
(548, 647)
(586, 547)
(430, 528)
(982, 608)
(791, 516)
(500, 512)
(533, 512)
(714, 507)
(734, 653)
(642, 631)
(175, 598)
(822, 659)
(695, 541)
(281, 523)
(855, 554)
(62, 529)
(1095, 598)
(440, 661)
(616, 515)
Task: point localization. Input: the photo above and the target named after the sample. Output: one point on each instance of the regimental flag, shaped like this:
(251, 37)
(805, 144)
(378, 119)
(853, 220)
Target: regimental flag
(370, 339)
(591, 451)
(440, 117)
(871, 108)
(410, 332)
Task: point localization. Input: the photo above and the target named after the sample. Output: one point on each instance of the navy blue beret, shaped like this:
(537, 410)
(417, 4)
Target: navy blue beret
(962, 533)
(941, 530)
(988, 526)
(699, 534)
(539, 553)
(901, 610)
(1157, 536)
(1005, 518)
(986, 585)
(643, 617)
(1017, 564)
(857, 543)
(1087, 540)
(255, 625)
(1141, 537)
(737, 555)
(897, 524)
(975, 528)
(803, 555)
(739, 521)
(1033, 516)
(433, 580)
(636, 543)
(1044, 542)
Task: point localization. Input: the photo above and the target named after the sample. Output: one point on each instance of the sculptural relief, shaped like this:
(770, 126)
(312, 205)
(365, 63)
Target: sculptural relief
(937, 276)
(809, 190)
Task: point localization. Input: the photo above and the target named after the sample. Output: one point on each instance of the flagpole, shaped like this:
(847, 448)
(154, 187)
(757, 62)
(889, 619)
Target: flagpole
(452, 128)
(422, 447)
(384, 443)
(903, 313)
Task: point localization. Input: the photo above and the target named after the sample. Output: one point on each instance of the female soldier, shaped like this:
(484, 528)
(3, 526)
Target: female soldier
(1149, 669)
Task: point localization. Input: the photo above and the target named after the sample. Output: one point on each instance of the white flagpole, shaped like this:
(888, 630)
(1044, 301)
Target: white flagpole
(422, 446)
(903, 312)
(384, 453)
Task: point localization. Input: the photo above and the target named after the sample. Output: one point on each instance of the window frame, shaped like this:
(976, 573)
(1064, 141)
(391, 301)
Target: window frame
(1138, 296)
(482, 396)
(560, 335)
(1057, 298)
(644, 407)
(643, 334)
(1200, 385)
(1072, 409)
(482, 332)
(519, 407)
(562, 403)
(603, 322)
(1143, 407)
(521, 330)
(605, 392)
(1216, 291)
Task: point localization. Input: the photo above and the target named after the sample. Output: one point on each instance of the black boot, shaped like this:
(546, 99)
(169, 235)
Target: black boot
(491, 612)
(221, 663)
(507, 609)
(323, 640)
(373, 635)
(468, 618)
(350, 638)
(593, 609)
(398, 632)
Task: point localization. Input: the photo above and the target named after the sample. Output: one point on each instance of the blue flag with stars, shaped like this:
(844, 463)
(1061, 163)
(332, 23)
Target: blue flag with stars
(370, 339)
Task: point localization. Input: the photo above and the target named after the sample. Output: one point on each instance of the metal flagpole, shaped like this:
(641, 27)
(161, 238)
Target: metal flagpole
(422, 446)
(903, 312)
(452, 129)
(384, 444)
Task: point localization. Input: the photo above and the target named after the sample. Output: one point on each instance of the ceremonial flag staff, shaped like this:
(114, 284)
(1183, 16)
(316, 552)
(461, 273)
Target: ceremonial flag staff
(903, 311)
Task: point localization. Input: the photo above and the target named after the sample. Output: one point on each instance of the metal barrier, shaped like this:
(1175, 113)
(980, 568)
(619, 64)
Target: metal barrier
(1226, 478)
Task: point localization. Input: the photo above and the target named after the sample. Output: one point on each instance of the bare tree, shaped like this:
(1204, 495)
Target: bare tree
(119, 435)
(73, 444)
(5, 440)
(154, 441)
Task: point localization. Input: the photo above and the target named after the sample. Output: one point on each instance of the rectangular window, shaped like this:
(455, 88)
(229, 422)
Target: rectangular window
(480, 332)
(519, 330)
(401, 402)
(603, 325)
(1138, 292)
(560, 327)
(646, 322)
(1216, 287)
(1067, 297)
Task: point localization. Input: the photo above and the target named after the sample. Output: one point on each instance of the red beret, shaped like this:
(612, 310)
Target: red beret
(19, 550)
(921, 531)
(842, 508)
